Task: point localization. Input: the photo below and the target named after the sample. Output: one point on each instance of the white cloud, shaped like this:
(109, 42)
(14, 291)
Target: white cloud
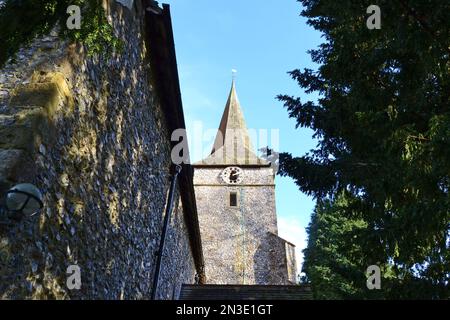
(291, 230)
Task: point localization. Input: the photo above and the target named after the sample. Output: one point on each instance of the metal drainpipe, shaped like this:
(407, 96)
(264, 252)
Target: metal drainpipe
(167, 215)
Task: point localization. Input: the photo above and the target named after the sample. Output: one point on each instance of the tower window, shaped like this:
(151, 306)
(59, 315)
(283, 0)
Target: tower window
(233, 199)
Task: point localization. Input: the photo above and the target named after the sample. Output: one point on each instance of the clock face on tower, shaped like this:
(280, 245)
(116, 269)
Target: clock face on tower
(232, 175)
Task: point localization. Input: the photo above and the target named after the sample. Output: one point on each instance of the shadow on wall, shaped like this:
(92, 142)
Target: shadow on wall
(270, 261)
(102, 164)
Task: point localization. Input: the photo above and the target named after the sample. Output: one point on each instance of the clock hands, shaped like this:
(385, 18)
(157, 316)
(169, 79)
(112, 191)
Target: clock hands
(234, 175)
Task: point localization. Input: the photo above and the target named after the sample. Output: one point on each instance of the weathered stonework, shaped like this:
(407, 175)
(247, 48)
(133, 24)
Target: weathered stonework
(92, 135)
(240, 243)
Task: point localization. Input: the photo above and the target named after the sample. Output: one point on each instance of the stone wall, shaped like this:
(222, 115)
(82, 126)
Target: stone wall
(91, 134)
(281, 260)
(238, 241)
(291, 263)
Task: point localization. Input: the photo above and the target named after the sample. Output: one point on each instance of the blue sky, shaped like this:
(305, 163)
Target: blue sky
(262, 40)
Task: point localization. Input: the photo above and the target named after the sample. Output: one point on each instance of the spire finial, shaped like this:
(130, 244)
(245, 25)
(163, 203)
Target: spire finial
(233, 74)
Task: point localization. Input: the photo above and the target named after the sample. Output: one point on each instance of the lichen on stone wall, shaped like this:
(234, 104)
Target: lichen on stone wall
(89, 132)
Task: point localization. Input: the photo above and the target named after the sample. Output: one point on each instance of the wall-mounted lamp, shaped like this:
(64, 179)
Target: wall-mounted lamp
(22, 200)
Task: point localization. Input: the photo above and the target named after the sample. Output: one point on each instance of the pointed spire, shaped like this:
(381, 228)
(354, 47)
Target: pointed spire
(232, 145)
(232, 119)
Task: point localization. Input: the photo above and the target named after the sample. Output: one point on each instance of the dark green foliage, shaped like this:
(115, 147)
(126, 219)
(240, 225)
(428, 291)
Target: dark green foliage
(383, 122)
(335, 262)
(22, 20)
(340, 248)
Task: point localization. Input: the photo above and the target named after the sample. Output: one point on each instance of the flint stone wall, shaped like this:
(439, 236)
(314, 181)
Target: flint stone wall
(90, 133)
(240, 244)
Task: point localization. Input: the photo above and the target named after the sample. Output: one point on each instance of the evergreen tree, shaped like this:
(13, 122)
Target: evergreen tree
(383, 122)
(335, 261)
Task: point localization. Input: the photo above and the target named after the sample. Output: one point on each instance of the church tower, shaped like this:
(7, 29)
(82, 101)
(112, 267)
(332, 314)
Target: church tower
(235, 194)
